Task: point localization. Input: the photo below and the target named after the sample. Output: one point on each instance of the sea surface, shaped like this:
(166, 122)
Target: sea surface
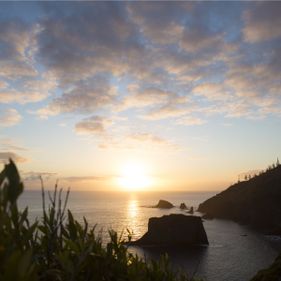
(235, 253)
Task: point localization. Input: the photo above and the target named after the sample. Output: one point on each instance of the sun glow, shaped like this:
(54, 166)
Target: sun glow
(133, 177)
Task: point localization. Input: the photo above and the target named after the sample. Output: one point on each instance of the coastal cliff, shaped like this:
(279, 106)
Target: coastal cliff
(256, 202)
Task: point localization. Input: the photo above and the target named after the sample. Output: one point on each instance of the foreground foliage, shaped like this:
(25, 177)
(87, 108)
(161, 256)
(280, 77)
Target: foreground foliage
(59, 248)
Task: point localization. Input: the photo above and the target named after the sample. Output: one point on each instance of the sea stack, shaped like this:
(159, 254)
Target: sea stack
(183, 206)
(191, 211)
(174, 230)
(163, 204)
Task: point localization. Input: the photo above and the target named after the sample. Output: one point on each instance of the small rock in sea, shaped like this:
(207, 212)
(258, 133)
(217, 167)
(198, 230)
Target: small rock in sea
(191, 211)
(183, 206)
(163, 204)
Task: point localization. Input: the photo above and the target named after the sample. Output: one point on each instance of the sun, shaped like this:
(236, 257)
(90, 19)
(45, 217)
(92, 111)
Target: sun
(133, 177)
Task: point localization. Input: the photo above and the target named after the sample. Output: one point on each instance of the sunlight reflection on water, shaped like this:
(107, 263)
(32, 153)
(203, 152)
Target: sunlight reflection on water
(132, 209)
(133, 217)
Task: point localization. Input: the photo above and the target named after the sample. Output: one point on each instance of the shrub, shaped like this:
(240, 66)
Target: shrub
(58, 248)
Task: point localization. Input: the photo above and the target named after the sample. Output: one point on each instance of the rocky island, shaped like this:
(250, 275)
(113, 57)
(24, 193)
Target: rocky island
(163, 204)
(174, 230)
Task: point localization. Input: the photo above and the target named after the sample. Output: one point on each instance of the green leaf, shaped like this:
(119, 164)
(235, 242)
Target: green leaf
(15, 185)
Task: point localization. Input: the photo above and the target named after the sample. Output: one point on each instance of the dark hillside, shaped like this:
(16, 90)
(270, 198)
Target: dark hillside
(272, 273)
(256, 202)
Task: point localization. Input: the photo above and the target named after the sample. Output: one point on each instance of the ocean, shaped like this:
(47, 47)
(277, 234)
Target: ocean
(236, 252)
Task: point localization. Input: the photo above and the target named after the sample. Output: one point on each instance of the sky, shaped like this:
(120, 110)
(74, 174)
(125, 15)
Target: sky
(141, 95)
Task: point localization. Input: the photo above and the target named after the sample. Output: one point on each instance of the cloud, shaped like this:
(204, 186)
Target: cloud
(262, 22)
(5, 156)
(21, 81)
(151, 96)
(255, 88)
(213, 91)
(7, 151)
(191, 121)
(28, 90)
(145, 140)
(148, 137)
(9, 144)
(86, 178)
(196, 39)
(85, 97)
(134, 140)
(16, 46)
(31, 176)
(86, 66)
(157, 103)
(79, 41)
(159, 22)
(93, 125)
(156, 60)
(9, 117)
(44, 112)
(117, 50)
(167, 111)
(3, 85)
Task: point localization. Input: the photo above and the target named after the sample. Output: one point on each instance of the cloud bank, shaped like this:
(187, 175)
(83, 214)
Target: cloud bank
(185, 62)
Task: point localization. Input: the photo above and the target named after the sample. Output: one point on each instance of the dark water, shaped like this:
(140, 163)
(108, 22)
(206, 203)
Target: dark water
(235, 252)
